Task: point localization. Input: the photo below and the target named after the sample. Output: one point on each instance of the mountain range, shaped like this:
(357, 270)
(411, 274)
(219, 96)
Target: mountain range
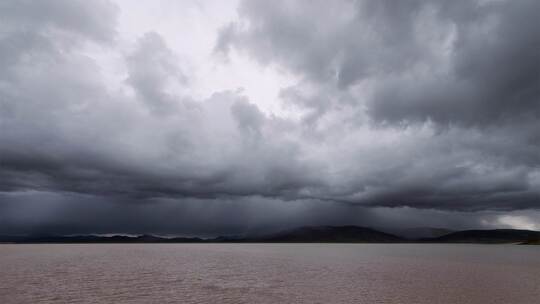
(312, 234)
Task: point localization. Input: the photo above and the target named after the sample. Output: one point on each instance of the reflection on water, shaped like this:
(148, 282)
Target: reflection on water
(269, 273)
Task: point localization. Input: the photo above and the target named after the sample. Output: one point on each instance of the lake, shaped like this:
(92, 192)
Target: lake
(269, 273)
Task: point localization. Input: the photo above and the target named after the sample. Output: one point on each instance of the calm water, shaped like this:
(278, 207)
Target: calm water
(269, 273)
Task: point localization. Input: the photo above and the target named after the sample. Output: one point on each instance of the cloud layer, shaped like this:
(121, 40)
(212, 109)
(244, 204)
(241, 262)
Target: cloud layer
(430, 106)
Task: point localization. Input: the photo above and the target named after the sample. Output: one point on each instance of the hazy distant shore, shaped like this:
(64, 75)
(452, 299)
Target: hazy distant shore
(319, 234)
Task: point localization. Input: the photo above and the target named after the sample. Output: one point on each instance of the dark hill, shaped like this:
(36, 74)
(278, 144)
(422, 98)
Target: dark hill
(330, 234)
(313, 234)
(418, 232)
(488, 236)
(531, 242)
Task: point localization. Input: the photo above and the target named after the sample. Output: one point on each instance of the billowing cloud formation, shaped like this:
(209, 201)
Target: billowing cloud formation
(454, 62)
(67, 132)
(420, 104)
(435, 102)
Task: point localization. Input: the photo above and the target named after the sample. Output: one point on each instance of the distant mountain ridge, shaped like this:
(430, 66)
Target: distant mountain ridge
(489, 236)
(417, 233)
(331, 234)
(309, 234)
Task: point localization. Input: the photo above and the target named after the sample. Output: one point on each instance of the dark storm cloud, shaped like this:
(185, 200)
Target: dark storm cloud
(36, 212)
(66, 131)
(468, 70)
(57, 213)
(493, 76)
(449, 61)
(410, 104)
(47, 28)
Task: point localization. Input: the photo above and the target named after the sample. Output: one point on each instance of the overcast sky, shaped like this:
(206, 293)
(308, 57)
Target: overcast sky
(224, 117)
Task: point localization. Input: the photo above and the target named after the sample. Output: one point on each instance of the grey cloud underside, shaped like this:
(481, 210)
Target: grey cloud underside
(470, 70)
(424, 104)
(60, 213)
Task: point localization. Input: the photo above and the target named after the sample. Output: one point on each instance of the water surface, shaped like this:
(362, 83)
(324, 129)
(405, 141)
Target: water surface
(269, 273)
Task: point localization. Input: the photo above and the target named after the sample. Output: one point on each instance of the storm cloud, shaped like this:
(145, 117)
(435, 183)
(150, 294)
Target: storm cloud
(393, 113)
